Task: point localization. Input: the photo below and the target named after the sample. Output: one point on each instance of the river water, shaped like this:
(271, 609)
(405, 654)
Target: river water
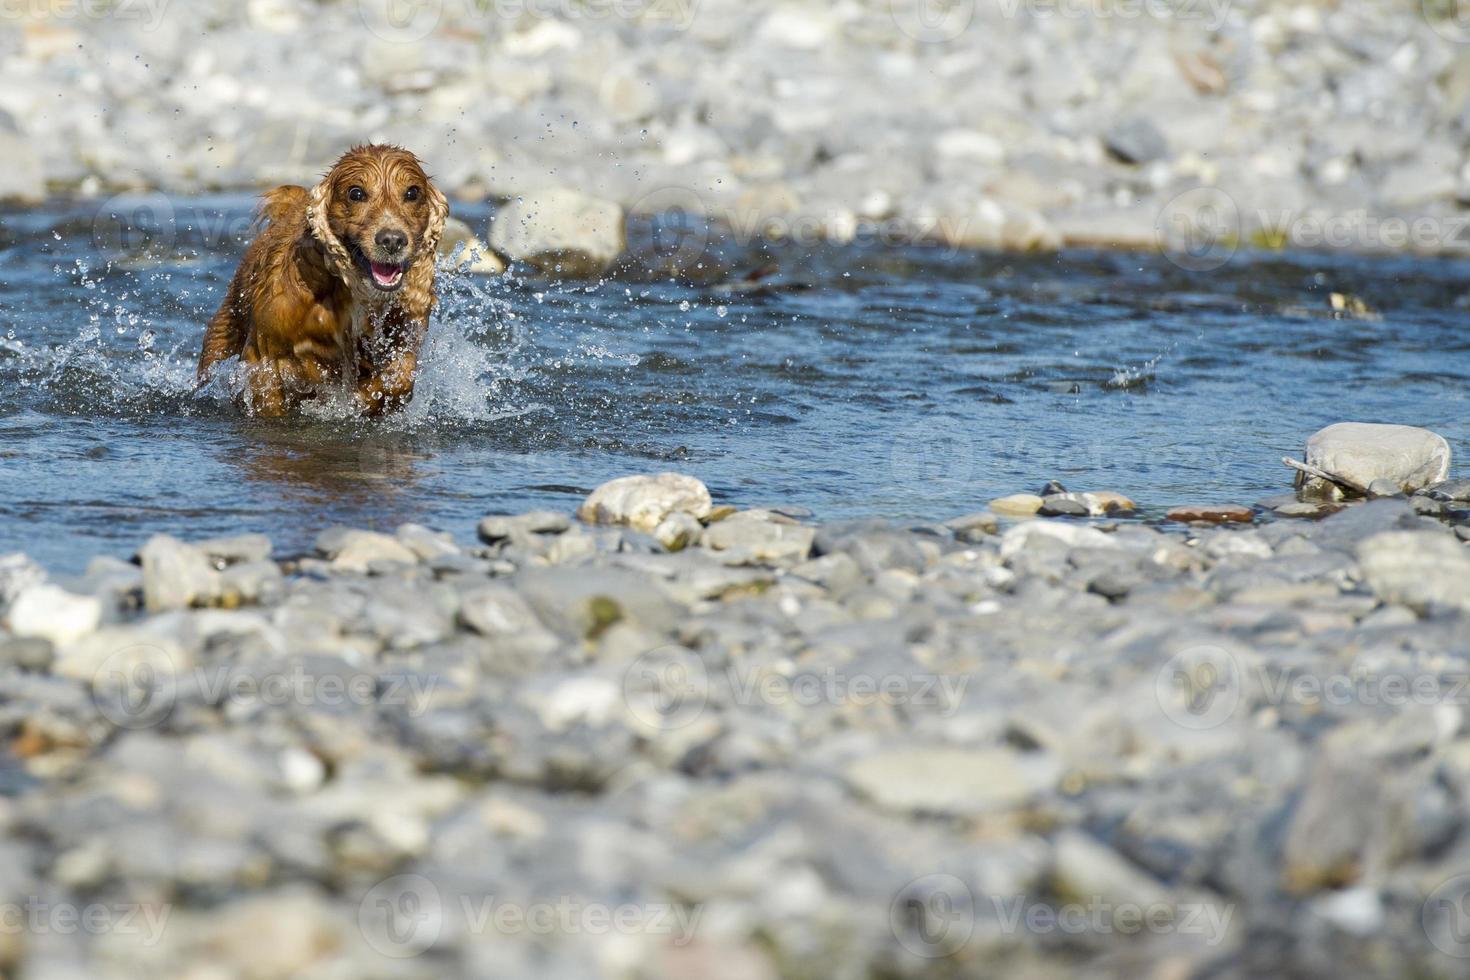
(865, 380)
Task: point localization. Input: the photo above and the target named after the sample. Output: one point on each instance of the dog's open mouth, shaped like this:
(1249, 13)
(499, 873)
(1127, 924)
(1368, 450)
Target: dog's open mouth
(387, 276)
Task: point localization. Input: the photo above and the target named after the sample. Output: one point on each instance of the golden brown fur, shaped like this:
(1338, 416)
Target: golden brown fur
(305, 310)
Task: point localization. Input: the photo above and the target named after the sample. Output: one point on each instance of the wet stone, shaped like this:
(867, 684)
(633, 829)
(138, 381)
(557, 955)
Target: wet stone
(1212, 514)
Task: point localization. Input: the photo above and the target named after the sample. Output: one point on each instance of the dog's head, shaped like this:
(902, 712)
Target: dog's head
(380, 217)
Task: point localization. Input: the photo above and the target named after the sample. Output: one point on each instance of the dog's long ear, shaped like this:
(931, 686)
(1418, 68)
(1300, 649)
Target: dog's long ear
(321, 229)
(438, 212)
(418, 296)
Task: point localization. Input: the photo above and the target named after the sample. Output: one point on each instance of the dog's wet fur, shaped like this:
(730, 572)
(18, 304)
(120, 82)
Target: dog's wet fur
(337, 288)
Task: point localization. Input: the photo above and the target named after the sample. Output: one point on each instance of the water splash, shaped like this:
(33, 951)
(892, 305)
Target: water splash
(133, 355)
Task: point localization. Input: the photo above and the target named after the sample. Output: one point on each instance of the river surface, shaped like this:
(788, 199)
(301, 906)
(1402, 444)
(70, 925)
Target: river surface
(856, 381)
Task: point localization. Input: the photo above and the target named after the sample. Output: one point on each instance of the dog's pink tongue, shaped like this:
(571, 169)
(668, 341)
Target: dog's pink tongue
(386, 275)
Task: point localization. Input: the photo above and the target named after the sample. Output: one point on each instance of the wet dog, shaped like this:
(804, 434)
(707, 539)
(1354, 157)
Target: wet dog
(337, 288)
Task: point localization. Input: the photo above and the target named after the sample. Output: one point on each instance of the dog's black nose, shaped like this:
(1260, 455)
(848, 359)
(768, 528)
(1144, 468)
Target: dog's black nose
(391, 241)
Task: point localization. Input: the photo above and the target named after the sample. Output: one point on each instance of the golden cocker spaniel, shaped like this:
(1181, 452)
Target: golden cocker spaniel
(337, 288)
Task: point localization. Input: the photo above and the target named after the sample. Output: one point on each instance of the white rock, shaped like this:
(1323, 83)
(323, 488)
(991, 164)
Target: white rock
(1417, 568)
(17, 572)
(968, 144)
(803, 28)
(462, 248)
(644, 501)
(55, 614)
(301, 770)
(1358, 911)
(560, 229)
(1086, 866)
(21, 179)
(356, 550)
(579, 700)
(752, 539)
(426, 543)
(951, 780)
(1020, 537)
(1406, 456)
(176, 575)
(678, 531)
(1017, 505)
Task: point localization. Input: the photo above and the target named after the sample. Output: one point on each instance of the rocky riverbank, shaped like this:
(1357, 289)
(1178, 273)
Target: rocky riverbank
(666, 738)
(1208, 126)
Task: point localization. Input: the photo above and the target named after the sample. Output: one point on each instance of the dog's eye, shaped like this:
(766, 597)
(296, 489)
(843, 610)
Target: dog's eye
(355, 193)
(412, 194)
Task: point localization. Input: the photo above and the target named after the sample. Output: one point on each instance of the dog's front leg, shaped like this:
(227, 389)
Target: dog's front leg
(386, 374)
(390, 386)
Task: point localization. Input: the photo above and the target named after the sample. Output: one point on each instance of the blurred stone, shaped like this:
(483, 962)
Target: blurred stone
(52, 613)
(643, 502)
(1212, 514)
(1408, 457)
(1136, 141)
(561, 231)
(463, 249)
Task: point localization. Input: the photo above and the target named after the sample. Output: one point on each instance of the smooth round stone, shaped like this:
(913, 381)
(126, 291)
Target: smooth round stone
(1063, 505)
(1379, 489)
(1307, 509)
(1449, 490)
(1016, 505)
(1212, 514)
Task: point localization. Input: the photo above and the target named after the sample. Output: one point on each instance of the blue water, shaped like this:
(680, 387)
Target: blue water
(912, 383)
